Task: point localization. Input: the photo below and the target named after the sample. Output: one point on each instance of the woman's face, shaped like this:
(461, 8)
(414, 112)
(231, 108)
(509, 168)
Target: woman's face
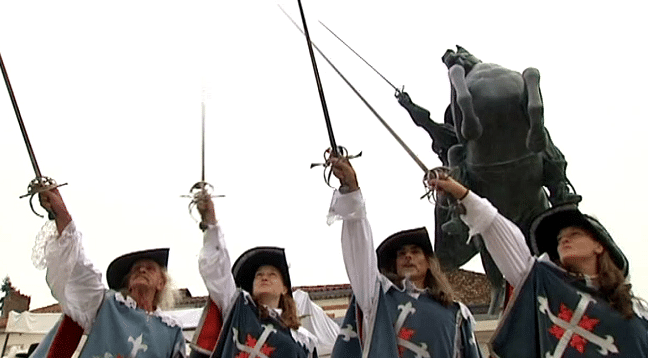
(577, 245)
(268, 281)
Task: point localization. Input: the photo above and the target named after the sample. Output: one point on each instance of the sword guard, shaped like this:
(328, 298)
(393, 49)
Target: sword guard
(432, 193)
(342, 152)
(39, 185)
(435, 173)
(198, 192)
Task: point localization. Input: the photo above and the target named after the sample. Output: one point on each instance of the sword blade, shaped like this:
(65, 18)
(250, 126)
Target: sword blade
(327, 118)
(363, 60)
(384, 123)
(23, 130)
(202, 176)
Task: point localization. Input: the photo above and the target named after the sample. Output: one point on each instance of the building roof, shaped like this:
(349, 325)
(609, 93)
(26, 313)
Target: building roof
(471, 288)
(55, 308)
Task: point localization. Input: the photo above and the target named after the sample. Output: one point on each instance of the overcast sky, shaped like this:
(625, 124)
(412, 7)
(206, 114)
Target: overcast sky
(111, 95)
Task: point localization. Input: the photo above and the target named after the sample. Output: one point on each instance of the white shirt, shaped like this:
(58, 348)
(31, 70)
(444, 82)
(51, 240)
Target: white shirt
(360, 257)
(73, 279)
(214, 265)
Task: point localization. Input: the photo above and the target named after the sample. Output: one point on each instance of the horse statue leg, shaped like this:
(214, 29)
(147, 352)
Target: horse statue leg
(470, 126)
(536, 140)
(495, 277)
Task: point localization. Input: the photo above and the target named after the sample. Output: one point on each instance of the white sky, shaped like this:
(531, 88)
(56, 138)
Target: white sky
(110, 95)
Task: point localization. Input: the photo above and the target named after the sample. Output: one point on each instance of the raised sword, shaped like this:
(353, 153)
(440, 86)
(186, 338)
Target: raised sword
(429, 174)
(201, 189)
(41, 183)
(334, 150)
(398, 91)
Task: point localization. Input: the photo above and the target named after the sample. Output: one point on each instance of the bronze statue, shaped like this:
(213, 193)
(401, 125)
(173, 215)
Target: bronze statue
(500, 149)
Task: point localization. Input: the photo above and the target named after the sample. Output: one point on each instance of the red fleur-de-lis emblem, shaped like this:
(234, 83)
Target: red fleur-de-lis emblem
(251, 342)
(406, 334)
(587, 323)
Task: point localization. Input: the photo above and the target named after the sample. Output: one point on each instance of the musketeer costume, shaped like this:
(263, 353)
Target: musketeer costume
(243, 332)
(113, 323)
(554, 313)
(385, 320)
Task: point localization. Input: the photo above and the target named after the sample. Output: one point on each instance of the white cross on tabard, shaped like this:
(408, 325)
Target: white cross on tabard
(255, 352)
(606, 345)
(419, 350)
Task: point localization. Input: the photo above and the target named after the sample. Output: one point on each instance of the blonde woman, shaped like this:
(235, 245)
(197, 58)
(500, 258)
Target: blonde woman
(254, 298)
(571, 301)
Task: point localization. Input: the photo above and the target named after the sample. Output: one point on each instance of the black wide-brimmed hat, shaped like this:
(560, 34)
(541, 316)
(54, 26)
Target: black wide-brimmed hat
(546, 226)
(389, 247)
(121, 266)
(248, 263)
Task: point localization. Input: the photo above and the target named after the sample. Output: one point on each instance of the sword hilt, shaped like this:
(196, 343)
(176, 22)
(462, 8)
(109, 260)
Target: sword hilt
(432, 192)
(39, 185)
(342, 152)
(198, 192)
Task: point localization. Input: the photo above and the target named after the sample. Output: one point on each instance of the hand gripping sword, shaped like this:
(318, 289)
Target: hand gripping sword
(40, 183)
(334, 150)
(429, 174)
(201, 189)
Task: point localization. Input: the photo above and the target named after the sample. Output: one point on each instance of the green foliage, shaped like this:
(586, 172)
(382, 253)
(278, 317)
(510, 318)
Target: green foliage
(6, 289)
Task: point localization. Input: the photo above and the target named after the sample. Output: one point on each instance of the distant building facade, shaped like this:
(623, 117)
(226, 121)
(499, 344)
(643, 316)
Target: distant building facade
(471, 288)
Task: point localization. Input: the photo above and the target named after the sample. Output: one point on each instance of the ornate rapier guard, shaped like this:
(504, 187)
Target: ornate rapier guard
(40, 183)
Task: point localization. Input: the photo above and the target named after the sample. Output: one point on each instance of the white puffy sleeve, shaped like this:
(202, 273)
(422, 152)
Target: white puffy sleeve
(357, 247)
(504, 240)
(215, 269)
(72, 278)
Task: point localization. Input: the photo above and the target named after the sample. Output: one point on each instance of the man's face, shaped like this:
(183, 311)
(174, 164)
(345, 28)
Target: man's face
(146, 273)
(411, 262)
(268, 281)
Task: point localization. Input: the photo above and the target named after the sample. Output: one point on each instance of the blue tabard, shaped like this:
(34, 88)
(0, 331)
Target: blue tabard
(347, 344)
(407, 327)
(122, 330)
(43, 347)
(556, 315)
(245, 335)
